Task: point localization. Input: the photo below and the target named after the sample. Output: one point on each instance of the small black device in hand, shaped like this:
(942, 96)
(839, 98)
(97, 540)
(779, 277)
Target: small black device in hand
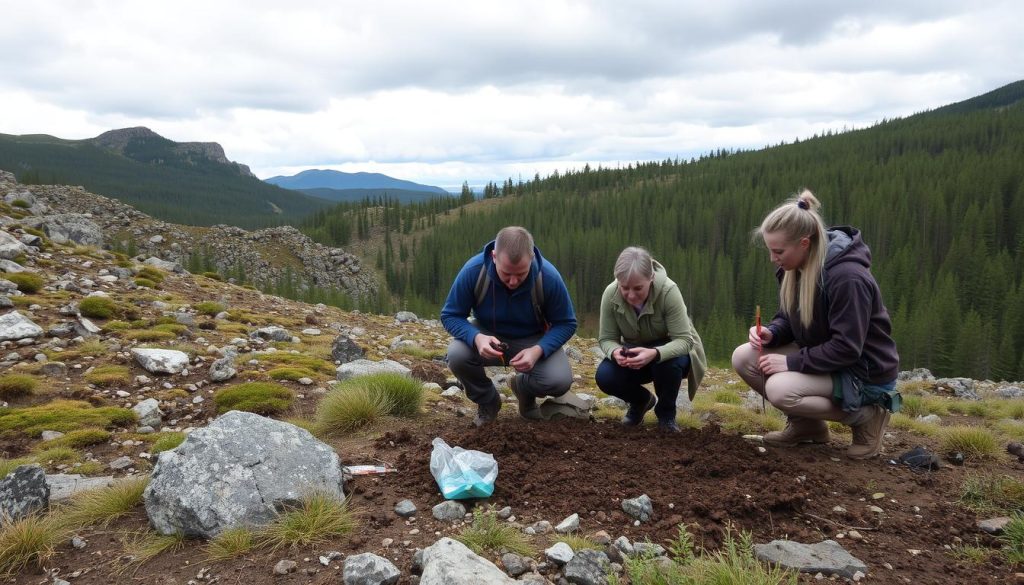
(500, 346)
(626, 353)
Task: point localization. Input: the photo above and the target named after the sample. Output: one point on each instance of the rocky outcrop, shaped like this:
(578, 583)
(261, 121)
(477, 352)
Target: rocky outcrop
(23, 491)
(237, 471)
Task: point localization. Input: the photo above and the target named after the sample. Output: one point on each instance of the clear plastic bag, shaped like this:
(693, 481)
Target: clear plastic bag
(461, 473)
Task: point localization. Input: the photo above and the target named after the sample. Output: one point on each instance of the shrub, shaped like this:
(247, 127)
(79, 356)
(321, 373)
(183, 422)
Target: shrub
(26, 282)
(98, 307)
(12, 385)
(320, 517)
(264, 398)
(208, 308)
(104, 376)
(63, 416)
(150, 273)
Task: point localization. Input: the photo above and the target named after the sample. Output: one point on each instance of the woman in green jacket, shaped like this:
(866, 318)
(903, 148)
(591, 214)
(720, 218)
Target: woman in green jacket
(647, 336)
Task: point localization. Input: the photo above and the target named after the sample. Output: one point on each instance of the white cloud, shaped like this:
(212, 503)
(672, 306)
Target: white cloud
(446, 91)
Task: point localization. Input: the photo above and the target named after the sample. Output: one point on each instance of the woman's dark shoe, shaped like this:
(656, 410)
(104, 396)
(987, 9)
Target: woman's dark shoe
(635, 413)
(669, 426)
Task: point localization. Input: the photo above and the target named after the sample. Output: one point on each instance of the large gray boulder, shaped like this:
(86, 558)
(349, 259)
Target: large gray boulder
(369, 569)
(449, 562)
(23, 491)
(14, 326)
(69, 227)
(10, 246)
(237, 471)
(826, 557)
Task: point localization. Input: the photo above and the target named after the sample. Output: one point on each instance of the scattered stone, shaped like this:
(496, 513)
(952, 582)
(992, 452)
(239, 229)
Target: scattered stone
(284, 567)
(570, 524)
(915, 375)
(363, 367)
(449, 562)
(406, 317)
(1010, 392)
(15, 326)
(560, 553)
(63, 486)
(54, 369)
(994, 525)
(504, 513)
(272, 333)
(643, 548)
(405, 508)
(514, 564)
(223, 369)
(161, 361)
(933, 419)
(961, 387)
(639, 508)
(50, 435)
(826, 557)
(237, 471)
(587, 567)
(123, 462)
(540, 527)
(149, 412)
(344, 350)
(452, 392)
(78, 542)
(23, 491)
(622, 543)
(449, 511)
(369, 569)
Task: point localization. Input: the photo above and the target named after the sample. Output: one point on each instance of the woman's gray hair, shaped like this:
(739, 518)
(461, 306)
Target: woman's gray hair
(634, 260)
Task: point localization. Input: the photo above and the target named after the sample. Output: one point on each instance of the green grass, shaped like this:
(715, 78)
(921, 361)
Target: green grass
(486, 534)
(15, 385)
(166, 442)
(144, 546)
(993, 494)
(319, 518)
(973, 442)
(63, 416)
(298, 360)
(732, 564)
(145, 283)
(576, 543)
(422, 353)
(971, 554)
(106, 376)
(55, 455)
(175, 329)
(29, 542)
(78, 439)
(291, 373)
(98, 307)
(726, 397)
(266, 398)
(101, 506)
(150, 273)
(906, 423)
(231, 543)
(402, 393)
(152, 334)
(26, 282)
(341, 412)
(208, 308)
(1013, 539)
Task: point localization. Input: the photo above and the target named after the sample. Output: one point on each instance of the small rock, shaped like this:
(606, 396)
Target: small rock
(284, 567)
(560, 553)
(570, 524)
(994, 525)
(449, 511)
(405, 508)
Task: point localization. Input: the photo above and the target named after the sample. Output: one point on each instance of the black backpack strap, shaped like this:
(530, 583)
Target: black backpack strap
(480, 290)
(537, 296)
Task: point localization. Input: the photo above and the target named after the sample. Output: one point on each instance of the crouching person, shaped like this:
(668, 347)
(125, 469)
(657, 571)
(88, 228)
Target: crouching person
(828, 354)
(646, 336)
(523, 316)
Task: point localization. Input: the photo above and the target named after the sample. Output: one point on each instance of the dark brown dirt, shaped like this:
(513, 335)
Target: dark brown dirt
(707, 479)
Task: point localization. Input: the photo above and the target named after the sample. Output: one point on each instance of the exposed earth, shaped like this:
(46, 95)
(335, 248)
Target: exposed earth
(547, 471)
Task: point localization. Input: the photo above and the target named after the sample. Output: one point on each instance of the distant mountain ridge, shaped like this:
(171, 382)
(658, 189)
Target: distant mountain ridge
(182, 182)
(328, 179)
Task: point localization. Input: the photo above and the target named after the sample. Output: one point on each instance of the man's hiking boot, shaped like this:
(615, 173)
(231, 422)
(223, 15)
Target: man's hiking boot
(668, 425)
(487, 412)
(868, 424)
(528, 408)
(635, 413)
(798, 430)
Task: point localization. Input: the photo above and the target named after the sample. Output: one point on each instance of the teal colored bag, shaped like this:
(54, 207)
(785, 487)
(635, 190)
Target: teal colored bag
(461, 473)
(850, 392)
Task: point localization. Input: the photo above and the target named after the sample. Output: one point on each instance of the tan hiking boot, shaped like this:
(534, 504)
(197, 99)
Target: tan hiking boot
(868, 428)
(528, 408)
(798, 430)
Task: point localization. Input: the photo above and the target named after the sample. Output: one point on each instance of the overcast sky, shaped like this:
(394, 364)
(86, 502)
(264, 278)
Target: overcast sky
(442, 92)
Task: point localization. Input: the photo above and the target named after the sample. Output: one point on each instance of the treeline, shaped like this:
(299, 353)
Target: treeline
(172, 186)
(938, 196)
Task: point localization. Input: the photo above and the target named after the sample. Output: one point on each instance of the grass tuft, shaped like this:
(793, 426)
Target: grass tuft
(320, 517)
(14, 385)
(487, 534)
(101, 506)
(26, 282)
(106, 376)
(97, 307)
(231, 543)
(291, 374)
(208, 308)
(28, 542)
(973, 442)
(341, 412)
(992, 494)
(143, 546)
(63, 416)
(166, 442)
(264, 398)
(576, 542)
(78, 439)
(1013, 539)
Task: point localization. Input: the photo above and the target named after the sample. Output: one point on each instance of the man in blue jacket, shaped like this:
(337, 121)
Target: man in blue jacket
(523, 316)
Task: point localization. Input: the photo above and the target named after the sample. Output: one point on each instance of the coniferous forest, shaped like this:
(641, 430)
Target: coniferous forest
(938, 196)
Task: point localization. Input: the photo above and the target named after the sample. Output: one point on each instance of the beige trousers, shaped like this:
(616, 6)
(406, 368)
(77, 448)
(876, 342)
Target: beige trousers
(794, 393)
